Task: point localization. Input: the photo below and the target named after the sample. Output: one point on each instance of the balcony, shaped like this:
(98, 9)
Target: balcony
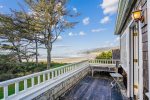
(56, 83)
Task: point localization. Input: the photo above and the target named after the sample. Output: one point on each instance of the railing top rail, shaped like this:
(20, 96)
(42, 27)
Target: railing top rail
(5, 83)
(106, 59)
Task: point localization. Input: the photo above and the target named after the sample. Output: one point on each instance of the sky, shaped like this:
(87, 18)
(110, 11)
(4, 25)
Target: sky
(95, 28)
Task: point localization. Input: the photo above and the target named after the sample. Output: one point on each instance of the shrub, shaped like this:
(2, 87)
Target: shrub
(104, 55)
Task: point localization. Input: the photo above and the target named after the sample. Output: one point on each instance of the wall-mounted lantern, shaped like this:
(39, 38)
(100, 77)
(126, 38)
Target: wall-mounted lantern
(137, 15)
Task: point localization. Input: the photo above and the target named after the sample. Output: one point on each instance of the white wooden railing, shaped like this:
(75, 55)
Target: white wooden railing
(103, 61)
(23, 84)
(30, 81)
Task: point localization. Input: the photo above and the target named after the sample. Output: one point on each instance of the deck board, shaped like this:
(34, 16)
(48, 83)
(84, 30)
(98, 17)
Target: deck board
(93, 89)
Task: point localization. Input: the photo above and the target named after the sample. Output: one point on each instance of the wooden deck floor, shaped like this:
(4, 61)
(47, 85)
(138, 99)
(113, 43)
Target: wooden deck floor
(90, 88)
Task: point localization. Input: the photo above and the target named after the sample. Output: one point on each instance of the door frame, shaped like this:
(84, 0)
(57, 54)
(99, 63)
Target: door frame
(132, 56)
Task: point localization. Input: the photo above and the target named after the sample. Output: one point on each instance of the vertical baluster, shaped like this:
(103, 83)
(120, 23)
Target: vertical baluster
(32, 81)
(68, 68)
(52, 74)
(25, 84)
(5, 92)
(16, 87)
(48, 76)
(39, 79)
(71, 67)
(55, 73)
(65, 70)
(59, 71)
(44, 77)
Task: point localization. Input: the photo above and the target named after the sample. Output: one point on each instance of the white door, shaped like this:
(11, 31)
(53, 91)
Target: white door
(134, 58)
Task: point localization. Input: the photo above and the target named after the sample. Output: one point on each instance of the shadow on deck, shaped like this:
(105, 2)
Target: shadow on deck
(97, 88)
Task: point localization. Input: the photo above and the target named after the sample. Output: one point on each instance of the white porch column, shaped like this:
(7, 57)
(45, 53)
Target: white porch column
(140, 64)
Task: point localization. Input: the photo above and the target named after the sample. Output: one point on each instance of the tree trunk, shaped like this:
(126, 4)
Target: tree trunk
(19, 57)
(49, 48)
(36, 52)
(18, 54)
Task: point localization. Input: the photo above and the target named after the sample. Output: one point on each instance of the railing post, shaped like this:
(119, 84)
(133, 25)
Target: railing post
(16, 87)
(5, 92)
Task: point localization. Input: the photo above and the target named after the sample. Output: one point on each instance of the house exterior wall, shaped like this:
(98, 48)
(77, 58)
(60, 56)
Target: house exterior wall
(148, 32)
(125, 55)
(143, 46)
(144, 28)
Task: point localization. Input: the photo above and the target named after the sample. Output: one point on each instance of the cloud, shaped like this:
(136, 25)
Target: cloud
(75, 9)
(105, 20)
(72, 34)
(112, 43)
(30, 12)
(109, 6)
(61, 46)
(59, 38)
(86, 21)
(98, 30)
(1, 6)
(82, 33)
(117, 39)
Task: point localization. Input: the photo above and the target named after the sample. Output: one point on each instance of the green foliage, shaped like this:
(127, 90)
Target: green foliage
(104, 55)
(10, 68)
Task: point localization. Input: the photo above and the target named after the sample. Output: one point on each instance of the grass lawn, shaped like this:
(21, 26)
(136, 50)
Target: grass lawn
(11, 87)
